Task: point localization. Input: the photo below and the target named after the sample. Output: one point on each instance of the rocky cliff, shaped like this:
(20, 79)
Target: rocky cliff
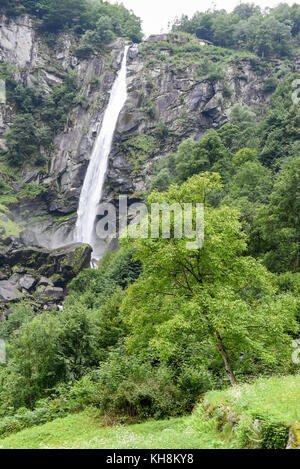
(174, 81)
(164, 84)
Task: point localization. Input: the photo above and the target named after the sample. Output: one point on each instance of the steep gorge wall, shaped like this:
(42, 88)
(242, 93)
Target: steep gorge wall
(159, 89)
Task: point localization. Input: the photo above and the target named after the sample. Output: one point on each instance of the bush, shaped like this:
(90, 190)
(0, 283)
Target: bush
(128, 387)
(270, 84)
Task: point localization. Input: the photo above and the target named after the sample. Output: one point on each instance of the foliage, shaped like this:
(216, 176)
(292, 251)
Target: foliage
(272, 403)
(217, 297)
(102, 20)
(267, 34)
(87, 431)
(280, 222)
(205, 428)
(40, 114)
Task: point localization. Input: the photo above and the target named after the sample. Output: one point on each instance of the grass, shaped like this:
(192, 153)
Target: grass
(277, 398)
(84, 431)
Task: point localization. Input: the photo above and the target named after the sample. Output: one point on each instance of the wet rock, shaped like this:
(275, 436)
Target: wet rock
(28, 238)
(133, 52)
(69, 261)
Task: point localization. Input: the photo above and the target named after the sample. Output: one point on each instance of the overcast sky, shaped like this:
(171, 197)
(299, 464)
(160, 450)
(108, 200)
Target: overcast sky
(156, 14)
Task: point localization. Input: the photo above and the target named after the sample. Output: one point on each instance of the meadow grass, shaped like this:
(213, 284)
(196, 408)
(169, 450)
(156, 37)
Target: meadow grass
(84, 431)
(277, 397)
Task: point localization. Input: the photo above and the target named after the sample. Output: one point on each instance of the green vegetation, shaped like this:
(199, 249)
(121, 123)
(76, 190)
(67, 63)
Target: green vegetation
(278, 397)
(40, 115)
(258, 159)
(158, 328)
(85, 432)
(95, 23)
(266, 34)
(264, 411)
(274, 401)
(183, 53)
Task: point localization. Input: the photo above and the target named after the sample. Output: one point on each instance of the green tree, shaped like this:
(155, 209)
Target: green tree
(242, 116)
(22, 141)
(226, 301)
(193, 157)
(280, 221)
(272, 37)
(222, 30)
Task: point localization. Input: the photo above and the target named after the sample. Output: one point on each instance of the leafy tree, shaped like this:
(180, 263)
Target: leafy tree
(244, 155)
(244, 33)
(280, 128)
(80, 16)
(200, 25)
(64, 14)
(230, 135)
(215, 296)
(252, 181)
(268, 34)
(280, 221)
(272, 37)
(222, 30)
(194, 157)
(161, 180)
(22, 140)
(246, 10)
(242, 117)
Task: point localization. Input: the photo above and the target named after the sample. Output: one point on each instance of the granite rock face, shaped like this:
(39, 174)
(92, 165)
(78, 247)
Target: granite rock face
(158, 91)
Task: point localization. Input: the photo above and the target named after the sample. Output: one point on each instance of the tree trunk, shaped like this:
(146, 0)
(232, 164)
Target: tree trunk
(228, 369)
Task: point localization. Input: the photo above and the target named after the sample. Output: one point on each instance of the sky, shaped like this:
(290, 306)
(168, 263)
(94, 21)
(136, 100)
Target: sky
(156, 14)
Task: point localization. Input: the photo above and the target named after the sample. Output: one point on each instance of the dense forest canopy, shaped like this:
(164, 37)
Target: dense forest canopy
(265, 33)
(79, 16)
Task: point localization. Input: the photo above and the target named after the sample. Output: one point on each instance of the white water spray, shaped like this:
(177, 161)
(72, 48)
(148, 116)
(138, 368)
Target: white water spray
(94, 181)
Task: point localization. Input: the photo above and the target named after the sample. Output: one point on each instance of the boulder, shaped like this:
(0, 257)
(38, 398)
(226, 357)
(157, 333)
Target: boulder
(133, 52)
(294, 436)
(65, 262)
(44, 281)
(27, 282)
(14, 280)
(8, 291)
(69, 261)
(54, 292)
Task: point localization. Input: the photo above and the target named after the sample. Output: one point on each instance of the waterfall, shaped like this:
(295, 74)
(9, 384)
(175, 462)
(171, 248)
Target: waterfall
(94, 181)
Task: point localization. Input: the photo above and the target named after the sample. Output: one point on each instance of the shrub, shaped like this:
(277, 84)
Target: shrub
(128, 387)
(270, 84)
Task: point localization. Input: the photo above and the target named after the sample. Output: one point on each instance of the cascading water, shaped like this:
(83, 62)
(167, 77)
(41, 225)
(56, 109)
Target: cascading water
(94, 181)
